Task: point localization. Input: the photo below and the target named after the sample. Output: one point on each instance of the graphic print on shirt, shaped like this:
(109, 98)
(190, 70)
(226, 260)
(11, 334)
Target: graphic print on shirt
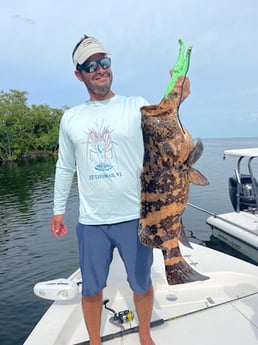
(101, 147)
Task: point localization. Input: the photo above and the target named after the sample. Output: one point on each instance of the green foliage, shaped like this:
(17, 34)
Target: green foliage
(25, 129)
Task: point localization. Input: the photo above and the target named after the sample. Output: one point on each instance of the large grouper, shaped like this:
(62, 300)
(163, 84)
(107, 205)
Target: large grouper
(170, 153)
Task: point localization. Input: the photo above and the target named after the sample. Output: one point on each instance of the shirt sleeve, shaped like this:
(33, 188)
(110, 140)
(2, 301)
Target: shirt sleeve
(65, 169)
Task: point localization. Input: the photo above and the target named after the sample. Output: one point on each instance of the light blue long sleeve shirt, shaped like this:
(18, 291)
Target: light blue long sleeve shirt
(101, 141)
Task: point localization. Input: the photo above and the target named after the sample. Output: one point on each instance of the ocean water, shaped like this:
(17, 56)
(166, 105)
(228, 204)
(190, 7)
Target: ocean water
(29, 253)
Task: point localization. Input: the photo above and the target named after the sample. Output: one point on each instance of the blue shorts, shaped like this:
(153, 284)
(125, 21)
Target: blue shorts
(96, 245)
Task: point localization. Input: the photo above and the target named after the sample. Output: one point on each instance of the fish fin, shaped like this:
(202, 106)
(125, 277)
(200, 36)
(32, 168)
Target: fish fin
(182, 237)
(181, 272)
(196, 152)
(196, 177)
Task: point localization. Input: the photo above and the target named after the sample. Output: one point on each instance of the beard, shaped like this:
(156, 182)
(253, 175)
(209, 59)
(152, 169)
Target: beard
(100, 88)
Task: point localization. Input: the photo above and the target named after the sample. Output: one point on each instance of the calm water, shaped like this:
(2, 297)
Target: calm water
(29, 253)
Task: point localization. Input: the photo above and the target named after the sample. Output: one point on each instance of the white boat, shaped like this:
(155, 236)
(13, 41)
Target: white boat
(239, 228)
(220, 310)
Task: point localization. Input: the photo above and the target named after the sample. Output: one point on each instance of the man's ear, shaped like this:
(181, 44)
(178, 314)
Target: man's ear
(78, 75)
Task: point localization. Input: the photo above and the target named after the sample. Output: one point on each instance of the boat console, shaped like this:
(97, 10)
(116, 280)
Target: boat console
(243, 188)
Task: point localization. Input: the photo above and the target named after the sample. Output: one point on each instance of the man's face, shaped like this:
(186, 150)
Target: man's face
(98, 82)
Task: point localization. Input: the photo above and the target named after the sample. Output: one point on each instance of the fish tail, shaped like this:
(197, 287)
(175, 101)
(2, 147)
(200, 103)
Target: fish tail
(178, 271)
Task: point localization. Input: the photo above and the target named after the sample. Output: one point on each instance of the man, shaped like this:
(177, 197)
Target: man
(101, 140)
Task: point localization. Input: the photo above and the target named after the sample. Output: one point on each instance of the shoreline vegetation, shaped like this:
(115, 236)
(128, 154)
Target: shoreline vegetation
(27, 131)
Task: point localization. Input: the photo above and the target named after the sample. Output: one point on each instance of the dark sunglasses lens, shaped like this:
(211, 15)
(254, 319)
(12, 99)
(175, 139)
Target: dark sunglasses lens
(92, 66)
(105, 63)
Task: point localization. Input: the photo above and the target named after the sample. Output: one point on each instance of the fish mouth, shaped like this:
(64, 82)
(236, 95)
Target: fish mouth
(164, 109)
(154, 111)
(163, 115)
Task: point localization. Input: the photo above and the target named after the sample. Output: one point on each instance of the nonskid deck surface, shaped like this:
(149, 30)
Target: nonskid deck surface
(185, 308)
(192, 302)
(207, 327)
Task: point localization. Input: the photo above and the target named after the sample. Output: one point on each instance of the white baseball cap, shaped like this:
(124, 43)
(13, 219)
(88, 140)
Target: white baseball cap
(89, 46)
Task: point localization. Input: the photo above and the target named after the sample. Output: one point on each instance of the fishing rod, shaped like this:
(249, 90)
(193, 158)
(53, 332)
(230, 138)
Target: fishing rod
(160, 322)
(201, 209)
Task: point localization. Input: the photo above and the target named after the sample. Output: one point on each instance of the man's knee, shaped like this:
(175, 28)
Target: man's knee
(92, 299)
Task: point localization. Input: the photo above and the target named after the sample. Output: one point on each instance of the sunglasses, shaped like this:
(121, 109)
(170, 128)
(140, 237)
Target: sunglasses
(92, 66)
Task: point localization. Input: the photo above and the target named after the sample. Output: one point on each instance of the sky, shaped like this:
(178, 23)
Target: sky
(37, 38)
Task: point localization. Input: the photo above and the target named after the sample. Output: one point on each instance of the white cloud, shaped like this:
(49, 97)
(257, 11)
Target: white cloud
(20, 18)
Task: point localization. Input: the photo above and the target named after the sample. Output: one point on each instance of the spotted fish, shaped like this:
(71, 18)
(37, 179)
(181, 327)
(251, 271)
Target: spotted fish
(167, 173)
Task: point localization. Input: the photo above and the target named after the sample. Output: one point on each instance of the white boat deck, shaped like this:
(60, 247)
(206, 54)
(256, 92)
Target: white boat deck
(223, 309)
(241, 224)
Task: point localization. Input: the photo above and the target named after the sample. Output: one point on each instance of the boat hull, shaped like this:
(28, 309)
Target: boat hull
(239, 230)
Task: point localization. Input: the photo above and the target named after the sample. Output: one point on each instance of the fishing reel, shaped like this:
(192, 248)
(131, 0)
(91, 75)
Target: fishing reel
(120, 317)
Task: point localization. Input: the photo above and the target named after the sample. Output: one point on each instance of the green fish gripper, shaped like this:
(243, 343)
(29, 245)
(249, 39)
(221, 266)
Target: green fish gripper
(180, 68)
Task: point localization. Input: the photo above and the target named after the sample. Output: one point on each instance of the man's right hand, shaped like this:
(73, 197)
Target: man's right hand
(58, 228)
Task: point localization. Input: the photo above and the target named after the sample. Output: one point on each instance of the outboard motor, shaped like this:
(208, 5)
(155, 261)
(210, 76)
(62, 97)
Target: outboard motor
(247, 196)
